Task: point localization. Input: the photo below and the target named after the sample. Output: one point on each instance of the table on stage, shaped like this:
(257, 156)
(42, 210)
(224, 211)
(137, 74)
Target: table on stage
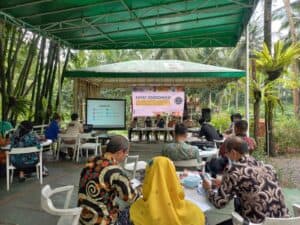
(164, 130)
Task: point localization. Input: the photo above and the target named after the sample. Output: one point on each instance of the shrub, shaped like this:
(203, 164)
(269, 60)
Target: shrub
(221, 121)
(286, 135)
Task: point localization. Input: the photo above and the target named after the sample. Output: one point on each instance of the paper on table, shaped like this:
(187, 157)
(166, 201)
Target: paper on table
(198, 199)
(135, 183)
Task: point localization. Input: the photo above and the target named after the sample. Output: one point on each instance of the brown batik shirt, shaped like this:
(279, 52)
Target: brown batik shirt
(257, 187)
(101, 182)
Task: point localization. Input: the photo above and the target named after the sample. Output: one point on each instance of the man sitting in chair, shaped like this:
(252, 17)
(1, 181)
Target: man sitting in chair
(102, 181)
(252, 184)
(179, 150)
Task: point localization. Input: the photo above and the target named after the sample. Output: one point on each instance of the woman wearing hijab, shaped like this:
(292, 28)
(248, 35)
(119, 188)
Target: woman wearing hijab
(163, 198)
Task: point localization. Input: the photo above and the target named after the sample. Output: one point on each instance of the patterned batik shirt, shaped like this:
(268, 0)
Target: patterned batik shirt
(256, 185)
(101, 182)
(181, 151)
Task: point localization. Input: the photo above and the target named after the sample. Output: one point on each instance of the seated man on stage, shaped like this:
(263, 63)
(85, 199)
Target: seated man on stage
(148, 123)
(160, 123)
(134, 124)
(179, 150)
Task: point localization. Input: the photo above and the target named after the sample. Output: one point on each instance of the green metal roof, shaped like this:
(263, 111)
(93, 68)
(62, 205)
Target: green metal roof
(131, 24)
(156, 73)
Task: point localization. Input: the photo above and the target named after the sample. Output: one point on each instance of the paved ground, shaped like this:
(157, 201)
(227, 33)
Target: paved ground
(288, 169)
(22, 204)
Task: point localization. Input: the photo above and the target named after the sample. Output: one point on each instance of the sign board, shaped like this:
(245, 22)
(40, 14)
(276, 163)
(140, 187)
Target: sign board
(157, 100)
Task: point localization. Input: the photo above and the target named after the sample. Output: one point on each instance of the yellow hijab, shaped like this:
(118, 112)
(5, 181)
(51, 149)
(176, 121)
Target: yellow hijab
(163, 198)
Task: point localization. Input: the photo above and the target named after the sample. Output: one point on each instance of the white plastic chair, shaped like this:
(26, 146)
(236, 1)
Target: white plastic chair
(62, 144)
(281, 221)
(134, 166)
(39, 129)
(189, 163)
(68, 216)
(95, 146)
(237, 219)
(17, 151)
(296, 208)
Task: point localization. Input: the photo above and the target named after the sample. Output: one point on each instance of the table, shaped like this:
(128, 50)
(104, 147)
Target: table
(198, 199)
(153, 129)
(209, 153)
(45, 143)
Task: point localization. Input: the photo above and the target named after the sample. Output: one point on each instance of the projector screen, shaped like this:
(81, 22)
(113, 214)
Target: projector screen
(106, 113)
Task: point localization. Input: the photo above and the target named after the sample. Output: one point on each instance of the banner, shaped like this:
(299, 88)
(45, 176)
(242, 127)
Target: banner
(160, 100)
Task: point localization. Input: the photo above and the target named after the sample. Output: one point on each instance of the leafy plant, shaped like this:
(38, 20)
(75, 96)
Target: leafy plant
(273, 66)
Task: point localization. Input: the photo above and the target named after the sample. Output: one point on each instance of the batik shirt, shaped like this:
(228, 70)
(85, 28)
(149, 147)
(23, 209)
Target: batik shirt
(181, 151)
(256, 185)
(101, 182)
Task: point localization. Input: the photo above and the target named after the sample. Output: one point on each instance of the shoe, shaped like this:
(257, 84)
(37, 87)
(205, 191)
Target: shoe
(45, 174)
(22, 179)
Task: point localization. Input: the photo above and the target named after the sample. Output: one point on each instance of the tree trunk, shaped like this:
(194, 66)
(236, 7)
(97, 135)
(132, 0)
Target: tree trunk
(38, 115)
(270, 146)
(295, 68)
(57, 103)
(2, 72)
(268, 23)
(257, 101)
(237, 97)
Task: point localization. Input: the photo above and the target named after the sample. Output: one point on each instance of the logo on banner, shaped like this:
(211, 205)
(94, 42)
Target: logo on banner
(178, 100)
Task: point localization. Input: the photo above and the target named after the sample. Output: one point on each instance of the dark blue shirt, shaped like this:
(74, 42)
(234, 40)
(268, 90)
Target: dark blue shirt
(52, 130)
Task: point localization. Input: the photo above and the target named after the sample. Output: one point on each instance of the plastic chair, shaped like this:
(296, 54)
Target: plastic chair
(68, 216)
(296, 208)
(189, 163)
(62, 144)
(281, 221)
(134, 166)
(237, 219)
(39, 129)
(95, 146)
(18, 151)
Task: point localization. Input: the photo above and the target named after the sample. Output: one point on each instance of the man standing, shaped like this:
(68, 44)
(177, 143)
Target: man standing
(253, 185)
(101, 181)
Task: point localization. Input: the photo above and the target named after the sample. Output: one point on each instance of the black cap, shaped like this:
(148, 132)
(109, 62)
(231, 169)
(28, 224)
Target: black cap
(117, 143)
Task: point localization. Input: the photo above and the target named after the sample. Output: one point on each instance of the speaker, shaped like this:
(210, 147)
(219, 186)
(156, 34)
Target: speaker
(206, 114)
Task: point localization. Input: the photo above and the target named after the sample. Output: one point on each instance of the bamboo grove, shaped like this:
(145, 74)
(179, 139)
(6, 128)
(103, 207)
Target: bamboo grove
(29, 69)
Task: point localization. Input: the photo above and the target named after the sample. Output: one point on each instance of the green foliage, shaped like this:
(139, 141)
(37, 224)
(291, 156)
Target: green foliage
(260, 153)
(274, 65)
(286, 135)
(20, 106)
(221, 121)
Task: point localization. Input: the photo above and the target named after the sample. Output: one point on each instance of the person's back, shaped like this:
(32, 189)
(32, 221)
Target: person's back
(179, 150)
(209, 132)
(101, 182)
(74, 127)
(163, 200)
(240, 130)
(53, 129)
(21, 139)
(24, 136)
(254, 184)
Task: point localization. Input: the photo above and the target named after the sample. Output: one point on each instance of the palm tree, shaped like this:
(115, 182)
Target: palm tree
(273, 66)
